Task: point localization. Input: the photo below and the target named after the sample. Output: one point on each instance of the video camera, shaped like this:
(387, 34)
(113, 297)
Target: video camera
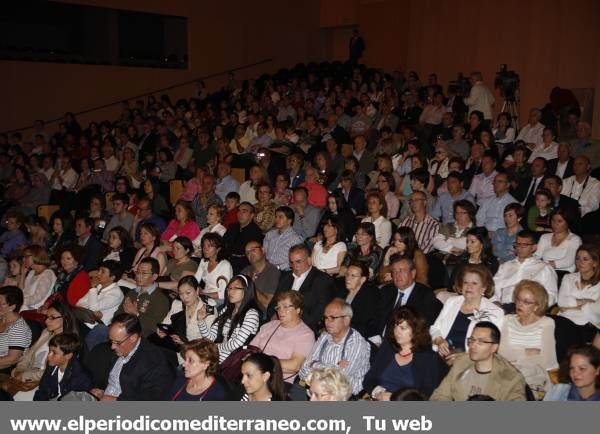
(507, 82)
(462, 85)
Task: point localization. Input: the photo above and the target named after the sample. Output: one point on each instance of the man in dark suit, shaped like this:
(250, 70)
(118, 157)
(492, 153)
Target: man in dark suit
(563, 165)
(139, 370)
(90, 244)
(240, 234)
(406, 292)
(525, 191)
(353, 195)
(553, 183)
(315, 286)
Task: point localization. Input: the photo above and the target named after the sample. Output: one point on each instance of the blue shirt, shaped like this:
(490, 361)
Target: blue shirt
(397, 377)
(227, 185)
(503, 244)
(11, 241)
(491, 212)
(443, 206)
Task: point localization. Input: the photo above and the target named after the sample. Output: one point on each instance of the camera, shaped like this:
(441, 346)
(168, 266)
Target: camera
(507, 82)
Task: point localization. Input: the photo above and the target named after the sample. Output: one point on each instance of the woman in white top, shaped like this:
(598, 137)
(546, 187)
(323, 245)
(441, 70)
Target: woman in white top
(214, 218)
(579, 302)
(238, 318)
(213, 271)
(528, 336)
(459, 315)
(36, 279)
(504, 134)
(558, 248)
(376, 210)
(328, 254)
(452, 237)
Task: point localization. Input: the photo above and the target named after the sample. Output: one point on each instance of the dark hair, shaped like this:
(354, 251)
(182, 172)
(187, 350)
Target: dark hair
(480, 397)
(165, 150)
(369, 228)
(467, 206)
(530, 235)
(70, 324)
(340, 201)
(407, 395)
(191, 216)
(121, 197)
(287, 211)
(362, 266)
(13, 296)
(517, 208)
(557, 178)
(334, 221)
(206, 351)
(481, 233)
(248, 303)
(420, 174)
(458, 160)
(421, 339)
(493, 328)
(114, 268)
(188, 280)
(477, 113)
(66, 219)
(68, 343)
(123, 235)
(233, 195)
(153, 230)
(186, 243)
(568, 215)
(348, 175)
(407, 236)
(87, 220)
(377, 195)
(595, 254)
(266, 363)
(456, 175)
(130, 322)
(154, 264)
(389, 178)
(75, 250)
(214, 239)
(589, 352)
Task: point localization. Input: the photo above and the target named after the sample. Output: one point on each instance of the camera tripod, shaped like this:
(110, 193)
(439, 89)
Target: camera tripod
(511, 106)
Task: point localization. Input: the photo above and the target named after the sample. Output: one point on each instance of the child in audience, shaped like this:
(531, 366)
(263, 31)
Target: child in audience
(539, 215)
(232, 201)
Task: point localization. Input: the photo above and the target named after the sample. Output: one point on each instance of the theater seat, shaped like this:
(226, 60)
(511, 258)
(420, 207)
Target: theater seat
(239, 174)
(46, 211)
(176, 187)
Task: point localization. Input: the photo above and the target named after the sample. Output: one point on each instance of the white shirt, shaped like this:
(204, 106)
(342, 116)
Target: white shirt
(324, 261)
(549, 152)
(532, 134)
(383, 230)
(299, 280)
(482, 187)
(106, 300)
(569, 294)
(218, 228)
(480, 98)
(561, 168)
(563, 255)
(69, 177)
(247, 192)
(512, 272)
(588, 197)
(217, 279)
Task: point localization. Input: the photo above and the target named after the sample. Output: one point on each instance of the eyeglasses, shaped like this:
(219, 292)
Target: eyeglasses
(333, 318)
(250, 250)
(525, 302)
(479, 341)
(358, 276)
(515, 245)
(119, 343)
(282, 308)
(143, 273)
(53, 317)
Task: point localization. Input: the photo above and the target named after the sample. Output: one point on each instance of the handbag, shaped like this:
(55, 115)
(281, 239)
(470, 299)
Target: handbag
(231, 367)
(12, 386)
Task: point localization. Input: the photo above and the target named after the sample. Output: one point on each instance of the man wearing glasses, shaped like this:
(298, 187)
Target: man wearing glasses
(482, 371)
(145, 215)
(139, 371)
(524, 266)
(146, 301)
(264, 274)
(339, 346)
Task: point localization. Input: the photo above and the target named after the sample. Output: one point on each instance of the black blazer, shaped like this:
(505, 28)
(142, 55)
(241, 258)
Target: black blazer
(92, 253)
(421, 298)
(75, 379)
(553, 164)
(145, 377)
(317, 290)
(428, 369)
(366, 310)
(356, 200)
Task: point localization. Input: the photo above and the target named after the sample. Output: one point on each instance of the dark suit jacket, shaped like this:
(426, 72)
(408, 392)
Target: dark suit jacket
(366, 310)
(317, 290)
(356, 200)
(422, 299)
(145, 377)
(428, 369)
(75, 379)
(553, 164)
(92, 253)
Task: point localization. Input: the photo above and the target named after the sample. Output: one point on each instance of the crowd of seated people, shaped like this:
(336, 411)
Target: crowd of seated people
(339, 233)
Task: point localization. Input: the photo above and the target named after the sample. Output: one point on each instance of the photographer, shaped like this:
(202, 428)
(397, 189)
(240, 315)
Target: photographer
(480, 98)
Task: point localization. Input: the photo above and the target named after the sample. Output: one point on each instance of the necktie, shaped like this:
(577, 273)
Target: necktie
(399, 300)
(531, 192)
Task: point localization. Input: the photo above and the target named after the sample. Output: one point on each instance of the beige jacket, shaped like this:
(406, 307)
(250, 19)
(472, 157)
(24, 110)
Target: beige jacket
(505, 383)
(31, 368)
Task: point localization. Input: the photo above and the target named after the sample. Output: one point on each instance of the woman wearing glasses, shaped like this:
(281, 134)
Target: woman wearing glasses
(405, 359)
(237, 320)
(30, 367)
(460, 313)
(288, 338)
(528, 336)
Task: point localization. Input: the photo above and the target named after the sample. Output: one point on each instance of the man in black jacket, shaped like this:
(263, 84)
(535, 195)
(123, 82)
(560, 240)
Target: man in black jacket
(139, 370)
(90, 244)
(315, 286)
(563, 165)
(406, 292)
(240, 234)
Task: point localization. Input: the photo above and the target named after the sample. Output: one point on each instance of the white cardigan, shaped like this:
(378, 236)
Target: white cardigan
(487, 311)
(105, 300)
(563, 255)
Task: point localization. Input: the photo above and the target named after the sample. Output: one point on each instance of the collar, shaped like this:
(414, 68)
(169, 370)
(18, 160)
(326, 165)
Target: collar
(407, 292)
(128, 357)
(303, 275)
(149, 290)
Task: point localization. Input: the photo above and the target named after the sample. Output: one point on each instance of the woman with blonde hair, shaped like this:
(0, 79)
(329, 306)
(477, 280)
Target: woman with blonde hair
(328, 384)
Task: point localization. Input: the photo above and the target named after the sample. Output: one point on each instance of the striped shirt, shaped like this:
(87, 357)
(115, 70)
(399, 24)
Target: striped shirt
(425, 231)
(277, 246)
(114, 378)
(353, 348)
(239, 337)
(16, 337)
